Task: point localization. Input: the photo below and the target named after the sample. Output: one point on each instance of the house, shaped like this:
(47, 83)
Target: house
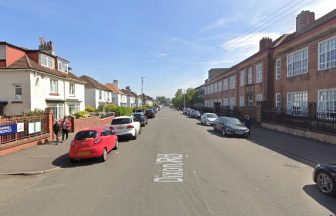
(131, 97)
(38, 79)
(147, 101)
(295, 73)
(124, 98)
(95, 93)
(116, 93)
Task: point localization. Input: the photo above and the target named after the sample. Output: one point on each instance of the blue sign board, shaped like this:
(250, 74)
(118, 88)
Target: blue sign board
(8, 129)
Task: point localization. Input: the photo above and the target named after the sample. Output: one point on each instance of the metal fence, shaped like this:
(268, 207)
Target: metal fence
(30, 126)
(318, 122)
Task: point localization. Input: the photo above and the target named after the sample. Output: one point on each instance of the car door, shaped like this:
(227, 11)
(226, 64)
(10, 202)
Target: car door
(215, 123)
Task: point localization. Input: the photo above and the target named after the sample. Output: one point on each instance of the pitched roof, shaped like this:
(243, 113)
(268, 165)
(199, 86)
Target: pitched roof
(26, 63)
(112, 88)
(92, 83)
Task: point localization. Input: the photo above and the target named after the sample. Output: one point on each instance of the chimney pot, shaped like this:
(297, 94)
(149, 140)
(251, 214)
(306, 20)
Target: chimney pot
(265, 43)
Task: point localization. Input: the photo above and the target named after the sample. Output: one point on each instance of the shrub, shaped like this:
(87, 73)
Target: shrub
(90, 109)
(82, 114)
(110, 108)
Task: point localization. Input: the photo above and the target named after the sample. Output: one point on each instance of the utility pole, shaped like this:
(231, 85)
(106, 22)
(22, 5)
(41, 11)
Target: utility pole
(142, 94)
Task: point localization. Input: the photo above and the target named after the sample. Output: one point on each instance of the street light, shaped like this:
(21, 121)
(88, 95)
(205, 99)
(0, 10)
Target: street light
(184, 98)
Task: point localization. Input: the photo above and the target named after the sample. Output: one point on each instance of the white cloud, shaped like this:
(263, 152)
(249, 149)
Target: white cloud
(161, 54)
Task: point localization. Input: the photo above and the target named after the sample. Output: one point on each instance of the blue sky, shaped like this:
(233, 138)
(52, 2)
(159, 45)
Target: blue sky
(173, 43)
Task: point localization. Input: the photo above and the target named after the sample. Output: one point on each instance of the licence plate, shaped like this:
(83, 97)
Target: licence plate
(84, 153)
(119, 127)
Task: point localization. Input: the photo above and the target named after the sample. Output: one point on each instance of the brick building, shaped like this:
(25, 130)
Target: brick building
(295, 73)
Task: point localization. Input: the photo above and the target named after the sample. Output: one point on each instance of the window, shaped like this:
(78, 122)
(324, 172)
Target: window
(327, 103)
(72, 88)
(232, 82)
(241, 101)
(249, 76)
(53, 86)
(47, 61)
(278, 68)
(17, 92)
(232, 102)
(242, 78)
(259, 97)
(259, 75)
(327, 54)
(297, 103)
(108, 96)
(73, 108)
(297, 62)
(206, 90)
(226, 84)
(57, 109)
(250, 100)
(215, 87)
(220, 86)
(100, 95)
(278, 100)
(225, 102)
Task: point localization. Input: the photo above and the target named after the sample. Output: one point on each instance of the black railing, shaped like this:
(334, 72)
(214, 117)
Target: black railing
(318, 123)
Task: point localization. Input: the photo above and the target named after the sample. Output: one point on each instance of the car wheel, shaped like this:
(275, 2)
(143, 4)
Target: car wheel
(325, 183)
(135, 135)
(139, 131)
(144, 125)
(116, 145)
(104, 155)
(223, 132)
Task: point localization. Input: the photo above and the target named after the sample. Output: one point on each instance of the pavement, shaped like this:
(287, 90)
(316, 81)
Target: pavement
(36, 160)
(50, 157)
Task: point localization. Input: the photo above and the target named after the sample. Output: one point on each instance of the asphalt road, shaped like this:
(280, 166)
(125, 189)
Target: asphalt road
(221, 176)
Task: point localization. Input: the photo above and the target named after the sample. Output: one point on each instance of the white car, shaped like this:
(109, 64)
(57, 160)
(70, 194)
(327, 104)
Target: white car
(208, 118)
(126, 126)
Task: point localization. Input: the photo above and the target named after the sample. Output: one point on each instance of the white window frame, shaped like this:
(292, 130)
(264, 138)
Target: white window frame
(53, 86)
(327, 49)
(242, 77)
(278, 69)
(250, 76)
(242, 101)
(297, 103)
(100, 94)
(220, 86)
(226, 84)
(17, 97)
(259, 97)
(259, 73)
(215, 87)
(225, 102)
(75, 107)
(72, 91)
(297, 62)
(232, 82)
(326, 103)
(278, 100)
(232, 102)
(47, 61)
(59, 108)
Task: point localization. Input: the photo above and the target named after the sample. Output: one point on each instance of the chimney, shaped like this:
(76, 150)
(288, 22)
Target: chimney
(128, 88)
(46, 47)
(304, 19)
(265, 43)
(116, 83)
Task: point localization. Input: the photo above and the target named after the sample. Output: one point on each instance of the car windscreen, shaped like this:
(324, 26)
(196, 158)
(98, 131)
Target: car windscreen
(212, 116)
(83, 135)
(136, 115)
(121, 121)
(149, 111)
(233, 121)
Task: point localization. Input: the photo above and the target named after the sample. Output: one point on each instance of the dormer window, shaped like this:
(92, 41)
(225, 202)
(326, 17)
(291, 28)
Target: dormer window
(47, 61)
(62, 66)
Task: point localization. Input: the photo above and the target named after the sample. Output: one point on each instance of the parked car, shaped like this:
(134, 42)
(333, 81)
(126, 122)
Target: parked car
(126, 126)
(208, 118)
(140, 117)
(325, 177)
(189, 111)
(195, 114)
(230, 126)
(150, 113)
(93, 143)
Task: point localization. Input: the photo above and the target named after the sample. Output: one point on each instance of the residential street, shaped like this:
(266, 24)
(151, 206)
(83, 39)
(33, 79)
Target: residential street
(221, 176)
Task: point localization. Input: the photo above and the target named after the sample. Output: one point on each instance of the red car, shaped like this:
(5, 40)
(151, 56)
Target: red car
(93, 143)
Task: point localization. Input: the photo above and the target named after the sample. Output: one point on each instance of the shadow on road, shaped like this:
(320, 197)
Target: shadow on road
(219, 134)
(324, 200)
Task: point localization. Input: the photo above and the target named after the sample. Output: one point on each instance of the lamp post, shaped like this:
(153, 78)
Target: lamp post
(184, 98)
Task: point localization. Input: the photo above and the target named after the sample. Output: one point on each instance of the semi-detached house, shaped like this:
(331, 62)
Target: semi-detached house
(116, 93)
(37, 79)
(95, 93)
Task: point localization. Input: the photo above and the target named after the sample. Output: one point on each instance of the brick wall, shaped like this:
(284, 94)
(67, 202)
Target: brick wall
(93, 121)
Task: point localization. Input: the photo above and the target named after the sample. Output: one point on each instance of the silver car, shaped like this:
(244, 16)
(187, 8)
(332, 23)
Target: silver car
(208, 118)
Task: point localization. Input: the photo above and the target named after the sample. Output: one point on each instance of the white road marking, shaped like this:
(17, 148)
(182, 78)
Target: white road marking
(171, 169)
